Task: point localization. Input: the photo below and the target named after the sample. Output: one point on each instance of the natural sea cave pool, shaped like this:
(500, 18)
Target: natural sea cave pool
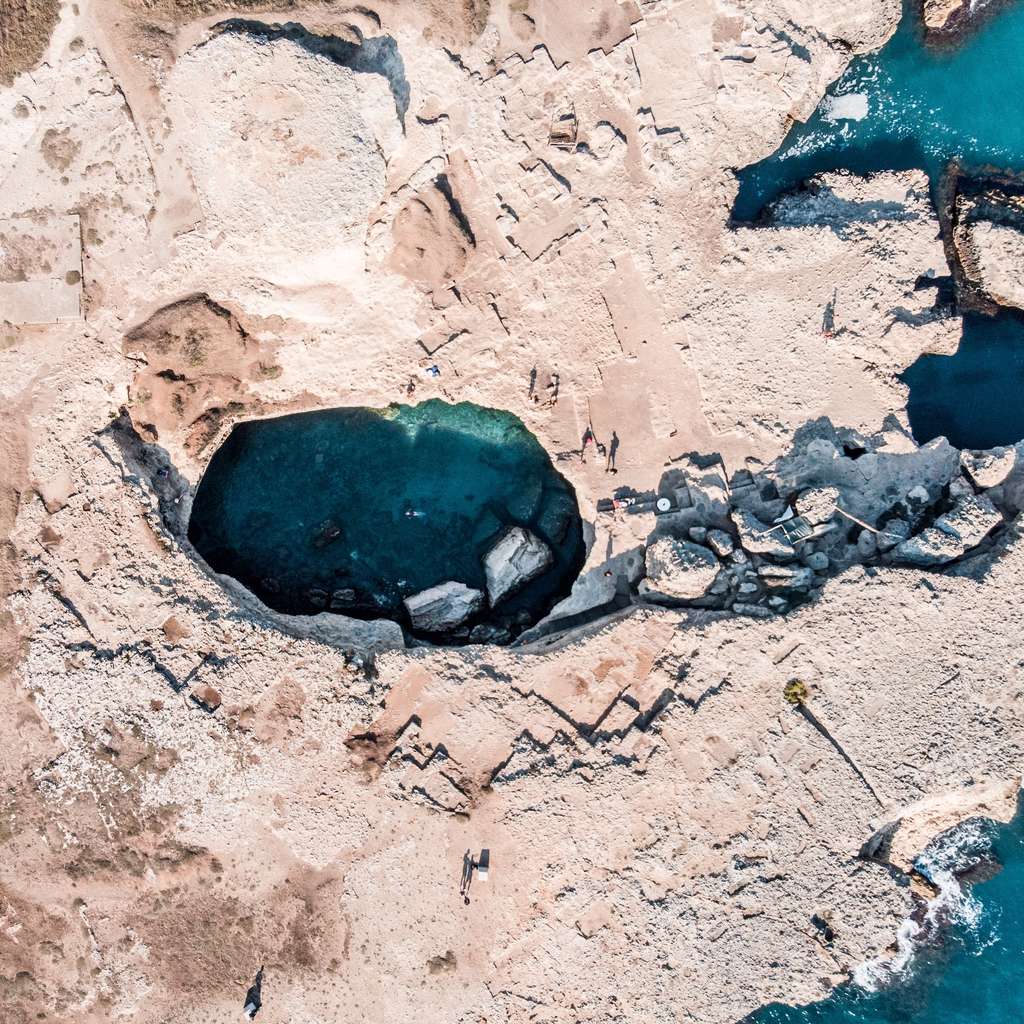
(353, 510)
(973, 397)
(923, 107)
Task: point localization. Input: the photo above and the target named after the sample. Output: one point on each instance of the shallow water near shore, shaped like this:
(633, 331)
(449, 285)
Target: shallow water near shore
(971, 973)
(354, 509)
(924, 107)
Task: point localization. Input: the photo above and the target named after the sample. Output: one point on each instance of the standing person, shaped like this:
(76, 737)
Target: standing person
(588, 438)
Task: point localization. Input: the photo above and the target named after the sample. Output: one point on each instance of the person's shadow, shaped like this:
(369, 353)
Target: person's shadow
(467, 875)
(613, 450)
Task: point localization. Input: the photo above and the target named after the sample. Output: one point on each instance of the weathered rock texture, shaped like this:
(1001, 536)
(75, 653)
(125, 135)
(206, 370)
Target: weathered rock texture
(191, 787)
(679, 569)
(516, 558)
(986, 240)
(442, 608)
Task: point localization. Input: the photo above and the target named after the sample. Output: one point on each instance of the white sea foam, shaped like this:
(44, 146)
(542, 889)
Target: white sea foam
(853, 106)
(942, 861)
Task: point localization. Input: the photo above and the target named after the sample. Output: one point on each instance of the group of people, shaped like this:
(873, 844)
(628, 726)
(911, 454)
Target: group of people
(552, 388)
(609, 451)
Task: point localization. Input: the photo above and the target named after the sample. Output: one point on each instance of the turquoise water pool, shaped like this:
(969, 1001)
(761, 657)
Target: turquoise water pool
(352, 510)
(972, 974)
(924, 107)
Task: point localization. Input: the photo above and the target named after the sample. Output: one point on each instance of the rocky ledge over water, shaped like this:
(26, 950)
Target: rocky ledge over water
(985, 231)
(948, 21)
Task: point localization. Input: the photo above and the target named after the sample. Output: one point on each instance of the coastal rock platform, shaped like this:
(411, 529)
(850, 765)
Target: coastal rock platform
(275, 209)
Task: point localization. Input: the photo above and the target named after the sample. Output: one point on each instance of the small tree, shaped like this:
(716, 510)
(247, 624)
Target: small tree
(795, 692)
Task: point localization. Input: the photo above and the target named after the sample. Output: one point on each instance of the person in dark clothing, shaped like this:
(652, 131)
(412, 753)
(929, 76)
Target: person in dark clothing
(254, 997)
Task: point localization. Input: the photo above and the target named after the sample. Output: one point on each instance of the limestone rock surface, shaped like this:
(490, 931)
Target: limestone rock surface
(443, 607)
(679, 569)
(518, 557)
(997, 252)
(989, 468)
(955, 532)
(939, 13)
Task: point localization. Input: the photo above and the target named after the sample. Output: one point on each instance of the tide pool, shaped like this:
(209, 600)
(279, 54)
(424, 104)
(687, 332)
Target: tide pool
(353, 510)
(972, 974)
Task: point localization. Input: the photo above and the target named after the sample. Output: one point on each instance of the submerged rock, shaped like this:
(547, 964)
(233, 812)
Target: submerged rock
(678, 570)
(444, 607)
(517, 558)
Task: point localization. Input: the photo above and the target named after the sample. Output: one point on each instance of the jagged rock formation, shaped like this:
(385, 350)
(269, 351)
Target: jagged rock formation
(939, 14)
(986, 240)
(517, 557)
(678, 570)
(444, 607)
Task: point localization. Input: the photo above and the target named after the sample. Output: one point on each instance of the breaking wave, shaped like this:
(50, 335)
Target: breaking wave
(944, 863)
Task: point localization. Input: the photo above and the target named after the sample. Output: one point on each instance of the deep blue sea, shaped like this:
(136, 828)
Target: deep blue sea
(923, 107)
(354, 509)
(962, 964)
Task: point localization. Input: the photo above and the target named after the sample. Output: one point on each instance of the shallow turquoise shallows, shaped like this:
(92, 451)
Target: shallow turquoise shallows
(925, 107)
(974, 976)
(355, 509)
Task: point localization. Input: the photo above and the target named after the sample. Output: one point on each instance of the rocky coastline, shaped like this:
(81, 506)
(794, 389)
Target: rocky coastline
(790, 661)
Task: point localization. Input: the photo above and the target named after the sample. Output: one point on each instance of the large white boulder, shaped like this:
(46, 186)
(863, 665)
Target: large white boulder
(989, 468)
(444, 607)
(679, 570)
(515, 559)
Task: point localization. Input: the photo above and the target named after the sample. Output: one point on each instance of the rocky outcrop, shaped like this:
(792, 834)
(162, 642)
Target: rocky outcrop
(444, 607)
(989, 468)
(515, 559)
(965, 526)
(985, 240)
(678, 570)
(947, 21)
(996, 254)
(940, 14)
(759, 538)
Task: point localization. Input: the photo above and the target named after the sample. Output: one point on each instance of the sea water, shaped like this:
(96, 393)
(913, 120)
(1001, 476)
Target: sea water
(908, 106)
(354, 509)
(961, 963)
(914, 106)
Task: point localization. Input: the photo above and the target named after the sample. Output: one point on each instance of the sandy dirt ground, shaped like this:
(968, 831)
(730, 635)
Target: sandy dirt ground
(217, 211)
